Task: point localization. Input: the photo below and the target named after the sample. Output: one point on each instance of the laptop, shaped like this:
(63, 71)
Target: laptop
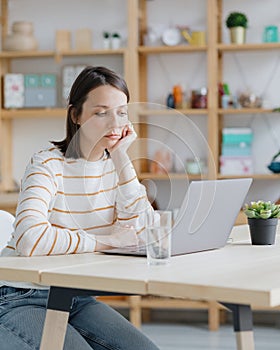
(205, 219)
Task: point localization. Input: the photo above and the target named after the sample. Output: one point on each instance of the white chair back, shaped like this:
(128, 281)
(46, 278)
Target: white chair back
(6, 227)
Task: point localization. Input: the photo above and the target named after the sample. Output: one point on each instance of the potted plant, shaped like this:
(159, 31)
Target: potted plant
(106, 40)
(116, 41)
(262, 219)
(237, 23)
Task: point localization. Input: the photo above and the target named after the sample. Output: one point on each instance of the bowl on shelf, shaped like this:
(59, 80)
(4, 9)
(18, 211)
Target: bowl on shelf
(274, 167)
(248, 100)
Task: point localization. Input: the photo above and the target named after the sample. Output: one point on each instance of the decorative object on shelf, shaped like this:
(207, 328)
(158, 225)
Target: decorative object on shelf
(236, 157)
(151, 37)
(22, 38)
(30, 90)
(226, 99)
(83, 39)
(40, 90)
(196, 38)
(63, 40)
(195, 166)
(115, 41)
(171, 36)
(263, 218)
(274, 165)
(106, 40)
(237, 23)
(199, 98)
(69, 74)
(170, 100)
(270, 34)
(162, 162)
(13, 90)
(249, 100)
(178, 96)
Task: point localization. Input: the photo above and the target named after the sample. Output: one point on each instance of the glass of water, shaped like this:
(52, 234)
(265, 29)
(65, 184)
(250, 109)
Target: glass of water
(158, 238)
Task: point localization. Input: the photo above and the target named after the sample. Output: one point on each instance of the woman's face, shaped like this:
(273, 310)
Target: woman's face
(103, 119)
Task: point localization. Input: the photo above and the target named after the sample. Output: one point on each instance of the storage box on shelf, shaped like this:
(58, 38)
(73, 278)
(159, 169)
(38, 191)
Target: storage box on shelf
(236, 153)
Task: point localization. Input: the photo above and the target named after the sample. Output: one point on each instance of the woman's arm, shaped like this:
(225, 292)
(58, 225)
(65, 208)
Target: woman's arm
(34, 234)
(132, 205)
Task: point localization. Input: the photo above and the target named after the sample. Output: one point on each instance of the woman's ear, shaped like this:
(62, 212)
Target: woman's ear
(74, 117)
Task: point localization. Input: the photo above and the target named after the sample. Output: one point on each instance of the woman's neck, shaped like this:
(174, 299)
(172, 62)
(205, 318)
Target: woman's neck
(91, 155)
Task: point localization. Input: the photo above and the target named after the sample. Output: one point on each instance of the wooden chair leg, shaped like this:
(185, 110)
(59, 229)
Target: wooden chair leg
(135, 310)
(213, 316)
(146, 315)
(223, 316)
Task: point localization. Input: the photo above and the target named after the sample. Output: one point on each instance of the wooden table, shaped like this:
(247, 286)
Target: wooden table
(239, 276)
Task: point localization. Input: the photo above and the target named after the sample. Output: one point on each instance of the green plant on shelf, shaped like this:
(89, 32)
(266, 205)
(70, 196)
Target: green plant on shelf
(262, 210)
(237, 19)
(106, 35)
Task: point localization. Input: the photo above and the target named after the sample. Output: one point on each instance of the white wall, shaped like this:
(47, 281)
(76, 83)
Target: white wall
(257, 71)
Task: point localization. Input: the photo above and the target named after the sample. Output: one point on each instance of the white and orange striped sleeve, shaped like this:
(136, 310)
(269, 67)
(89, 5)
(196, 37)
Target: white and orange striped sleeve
(34, 234)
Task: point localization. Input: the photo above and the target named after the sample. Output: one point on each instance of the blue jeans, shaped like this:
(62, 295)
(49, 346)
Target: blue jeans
(91, 325)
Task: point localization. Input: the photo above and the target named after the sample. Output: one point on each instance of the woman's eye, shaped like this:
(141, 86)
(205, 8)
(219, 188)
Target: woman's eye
(101, 114)
(122, 114)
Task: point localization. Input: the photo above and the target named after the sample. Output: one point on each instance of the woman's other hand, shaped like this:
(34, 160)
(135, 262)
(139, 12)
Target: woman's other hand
(119, 238)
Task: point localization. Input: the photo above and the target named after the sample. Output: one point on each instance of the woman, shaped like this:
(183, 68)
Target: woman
(82, 195)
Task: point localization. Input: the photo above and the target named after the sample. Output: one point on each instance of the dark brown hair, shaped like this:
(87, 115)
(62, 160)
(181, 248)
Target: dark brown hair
(89, 79)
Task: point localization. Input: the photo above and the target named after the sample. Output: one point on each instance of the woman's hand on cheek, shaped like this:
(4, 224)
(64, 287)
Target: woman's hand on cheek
(128, 136)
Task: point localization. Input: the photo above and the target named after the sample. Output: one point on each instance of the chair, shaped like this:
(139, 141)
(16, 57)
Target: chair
(6, 227)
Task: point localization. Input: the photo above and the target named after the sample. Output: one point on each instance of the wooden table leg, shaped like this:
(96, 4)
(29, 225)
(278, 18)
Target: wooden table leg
(54, 330)
(243, 325)
(58, 308)
(245, 340)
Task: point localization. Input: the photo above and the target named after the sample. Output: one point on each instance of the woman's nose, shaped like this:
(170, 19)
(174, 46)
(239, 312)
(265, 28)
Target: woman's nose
(113, 119)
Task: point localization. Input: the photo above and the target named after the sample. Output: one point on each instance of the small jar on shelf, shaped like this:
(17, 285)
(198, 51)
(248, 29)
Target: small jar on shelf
(199, 98)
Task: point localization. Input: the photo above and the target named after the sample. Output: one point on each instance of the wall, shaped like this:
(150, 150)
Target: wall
(258, 72)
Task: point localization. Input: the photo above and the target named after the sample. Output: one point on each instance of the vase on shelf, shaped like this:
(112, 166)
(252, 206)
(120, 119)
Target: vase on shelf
(22, 38)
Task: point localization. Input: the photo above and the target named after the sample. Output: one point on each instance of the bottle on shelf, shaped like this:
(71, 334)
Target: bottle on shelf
(178, 96)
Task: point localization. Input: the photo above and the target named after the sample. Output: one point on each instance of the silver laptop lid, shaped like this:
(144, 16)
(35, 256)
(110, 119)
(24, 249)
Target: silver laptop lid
(207, 214)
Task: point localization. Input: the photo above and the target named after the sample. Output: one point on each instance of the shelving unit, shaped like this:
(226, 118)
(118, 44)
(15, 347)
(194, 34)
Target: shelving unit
(135, 58)
(214, 51)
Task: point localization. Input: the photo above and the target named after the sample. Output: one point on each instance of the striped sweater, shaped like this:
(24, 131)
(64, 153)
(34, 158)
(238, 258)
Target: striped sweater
(64, 202)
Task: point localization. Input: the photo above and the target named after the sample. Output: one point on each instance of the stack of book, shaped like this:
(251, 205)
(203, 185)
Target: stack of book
(236, 157)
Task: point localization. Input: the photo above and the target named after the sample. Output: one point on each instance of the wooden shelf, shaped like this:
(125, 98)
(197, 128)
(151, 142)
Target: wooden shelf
(145, 50)
(254, 176)
(26, 54)
(54, 54)
(245, 111)
(92, 52)
(249, 47)
(170, 111)
(33, 113)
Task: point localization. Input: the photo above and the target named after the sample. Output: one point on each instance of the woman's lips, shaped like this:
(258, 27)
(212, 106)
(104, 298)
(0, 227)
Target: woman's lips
(113, 136)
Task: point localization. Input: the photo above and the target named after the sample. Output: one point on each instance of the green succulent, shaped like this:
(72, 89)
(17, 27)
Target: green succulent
(237, 19)
(262, 210)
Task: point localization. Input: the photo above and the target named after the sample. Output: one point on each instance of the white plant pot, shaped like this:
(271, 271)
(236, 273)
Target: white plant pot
(238, 35)
(106, 43)
(115, 43)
